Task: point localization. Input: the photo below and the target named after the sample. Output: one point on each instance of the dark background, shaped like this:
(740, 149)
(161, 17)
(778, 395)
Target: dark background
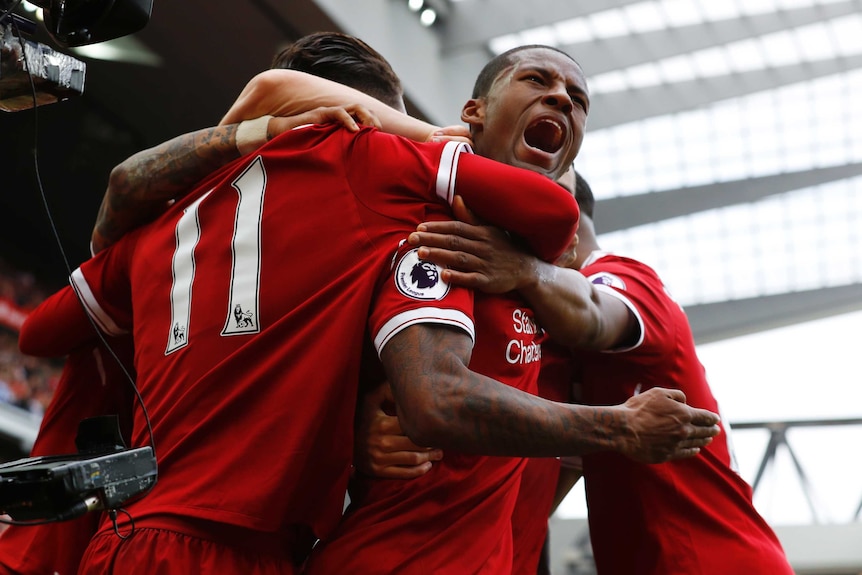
(207, 57)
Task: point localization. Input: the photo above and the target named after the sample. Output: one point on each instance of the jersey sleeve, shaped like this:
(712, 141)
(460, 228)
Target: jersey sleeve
(102, 285)
(525, 203)
(411, 293)
(643, 293)
(532, 206)
(56, 327)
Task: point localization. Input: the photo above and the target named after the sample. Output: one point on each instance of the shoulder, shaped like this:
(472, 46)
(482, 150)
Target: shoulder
(620, 272)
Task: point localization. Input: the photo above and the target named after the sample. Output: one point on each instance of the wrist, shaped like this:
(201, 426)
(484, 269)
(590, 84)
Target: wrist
(252, 134)
(535, 274)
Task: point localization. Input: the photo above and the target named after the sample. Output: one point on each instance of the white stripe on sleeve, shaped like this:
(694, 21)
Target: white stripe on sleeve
(403, 320)
(91, 305)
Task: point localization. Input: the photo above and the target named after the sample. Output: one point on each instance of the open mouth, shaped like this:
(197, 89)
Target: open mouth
(545, 134)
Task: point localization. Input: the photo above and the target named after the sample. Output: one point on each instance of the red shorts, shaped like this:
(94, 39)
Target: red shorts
(151, 551)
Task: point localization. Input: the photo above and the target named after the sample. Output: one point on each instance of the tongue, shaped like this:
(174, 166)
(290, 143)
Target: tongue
(544, 135)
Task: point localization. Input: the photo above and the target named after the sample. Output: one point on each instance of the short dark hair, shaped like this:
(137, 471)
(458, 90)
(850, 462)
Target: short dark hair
(344, 59)
(584, 195)
(493, 68)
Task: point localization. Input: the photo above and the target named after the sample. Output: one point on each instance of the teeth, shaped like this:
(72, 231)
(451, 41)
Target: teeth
(546, 135)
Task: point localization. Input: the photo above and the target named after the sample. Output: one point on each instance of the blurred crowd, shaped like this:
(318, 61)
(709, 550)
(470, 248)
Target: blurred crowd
(25, 382)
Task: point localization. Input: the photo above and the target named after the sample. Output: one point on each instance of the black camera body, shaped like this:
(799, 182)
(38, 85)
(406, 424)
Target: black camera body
(103, 475)
(74, 23)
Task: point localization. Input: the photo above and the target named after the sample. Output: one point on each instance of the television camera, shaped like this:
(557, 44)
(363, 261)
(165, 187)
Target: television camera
(70, 23)
(104, 474)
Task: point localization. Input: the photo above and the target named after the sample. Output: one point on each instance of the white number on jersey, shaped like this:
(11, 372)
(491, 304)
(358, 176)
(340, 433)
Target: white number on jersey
(242, 313)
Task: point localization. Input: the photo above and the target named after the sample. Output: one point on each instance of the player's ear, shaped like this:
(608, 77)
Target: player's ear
(473, 112)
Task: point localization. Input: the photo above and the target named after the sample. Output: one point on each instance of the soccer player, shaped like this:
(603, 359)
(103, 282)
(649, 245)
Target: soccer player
(419, 526)
(249, 363)
(92, 384)
(687, 516)
(238, 322)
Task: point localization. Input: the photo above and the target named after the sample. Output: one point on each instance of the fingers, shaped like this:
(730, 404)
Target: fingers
(674, 394)
(337, 115)
(397, 472)
(695, 442)
(452, 133)
(386, 425)
(365, 116)
(451, 227)
(402, 464)
(685, 453)
(447, 257)
(704, 418)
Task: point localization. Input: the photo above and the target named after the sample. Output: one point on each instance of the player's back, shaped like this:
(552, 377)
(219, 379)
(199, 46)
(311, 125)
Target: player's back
(688, 516)
(250, 300)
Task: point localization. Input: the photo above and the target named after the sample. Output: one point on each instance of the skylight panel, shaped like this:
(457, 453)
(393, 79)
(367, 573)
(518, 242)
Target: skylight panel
(712, 62)
(544, 35)
(846, 33)
(679, 69)
(816, 43)
(682, 12)
(609, 24)
(723, 10)
(651, 16)
(500, 44)
(745, 56)
(608, 83)
(644, 75)
(780, 49)
(752, 7)
(645, 17)
(573, 31)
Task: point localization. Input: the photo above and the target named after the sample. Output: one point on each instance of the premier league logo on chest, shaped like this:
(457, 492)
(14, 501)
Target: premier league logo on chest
(419, 279)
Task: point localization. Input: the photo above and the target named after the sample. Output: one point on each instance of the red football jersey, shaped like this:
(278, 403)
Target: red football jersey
(456, 518)
(249, 301)
(690, 516)
(93, 383)
(540, 475)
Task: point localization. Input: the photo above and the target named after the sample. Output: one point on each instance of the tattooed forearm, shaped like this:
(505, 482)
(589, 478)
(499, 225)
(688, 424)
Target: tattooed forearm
(142, 186)
(443, 404)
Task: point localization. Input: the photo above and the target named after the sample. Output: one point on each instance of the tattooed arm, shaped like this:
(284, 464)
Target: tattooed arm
(140, 188)
(440, 402)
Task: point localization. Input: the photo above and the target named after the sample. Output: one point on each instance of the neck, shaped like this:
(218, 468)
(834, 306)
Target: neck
(587, 241)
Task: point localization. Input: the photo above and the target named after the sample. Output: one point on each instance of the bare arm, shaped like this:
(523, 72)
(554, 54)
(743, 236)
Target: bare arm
(566, 304)
(141, 187)
(289, 92)
(441, 402)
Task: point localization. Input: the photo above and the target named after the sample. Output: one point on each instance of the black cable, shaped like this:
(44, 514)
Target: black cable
(53, 226)
(113, 515)
(74, 511)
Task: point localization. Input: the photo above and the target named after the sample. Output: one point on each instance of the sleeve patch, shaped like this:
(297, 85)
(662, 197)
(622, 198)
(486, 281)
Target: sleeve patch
(419, 279)
(607, 279)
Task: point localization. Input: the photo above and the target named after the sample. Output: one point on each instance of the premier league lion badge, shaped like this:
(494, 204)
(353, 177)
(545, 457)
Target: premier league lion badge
(419, 279)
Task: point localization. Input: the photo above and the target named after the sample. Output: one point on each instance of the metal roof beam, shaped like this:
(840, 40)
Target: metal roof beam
(727, 319)
(613, 109)
(625, 212)
(604, 55)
